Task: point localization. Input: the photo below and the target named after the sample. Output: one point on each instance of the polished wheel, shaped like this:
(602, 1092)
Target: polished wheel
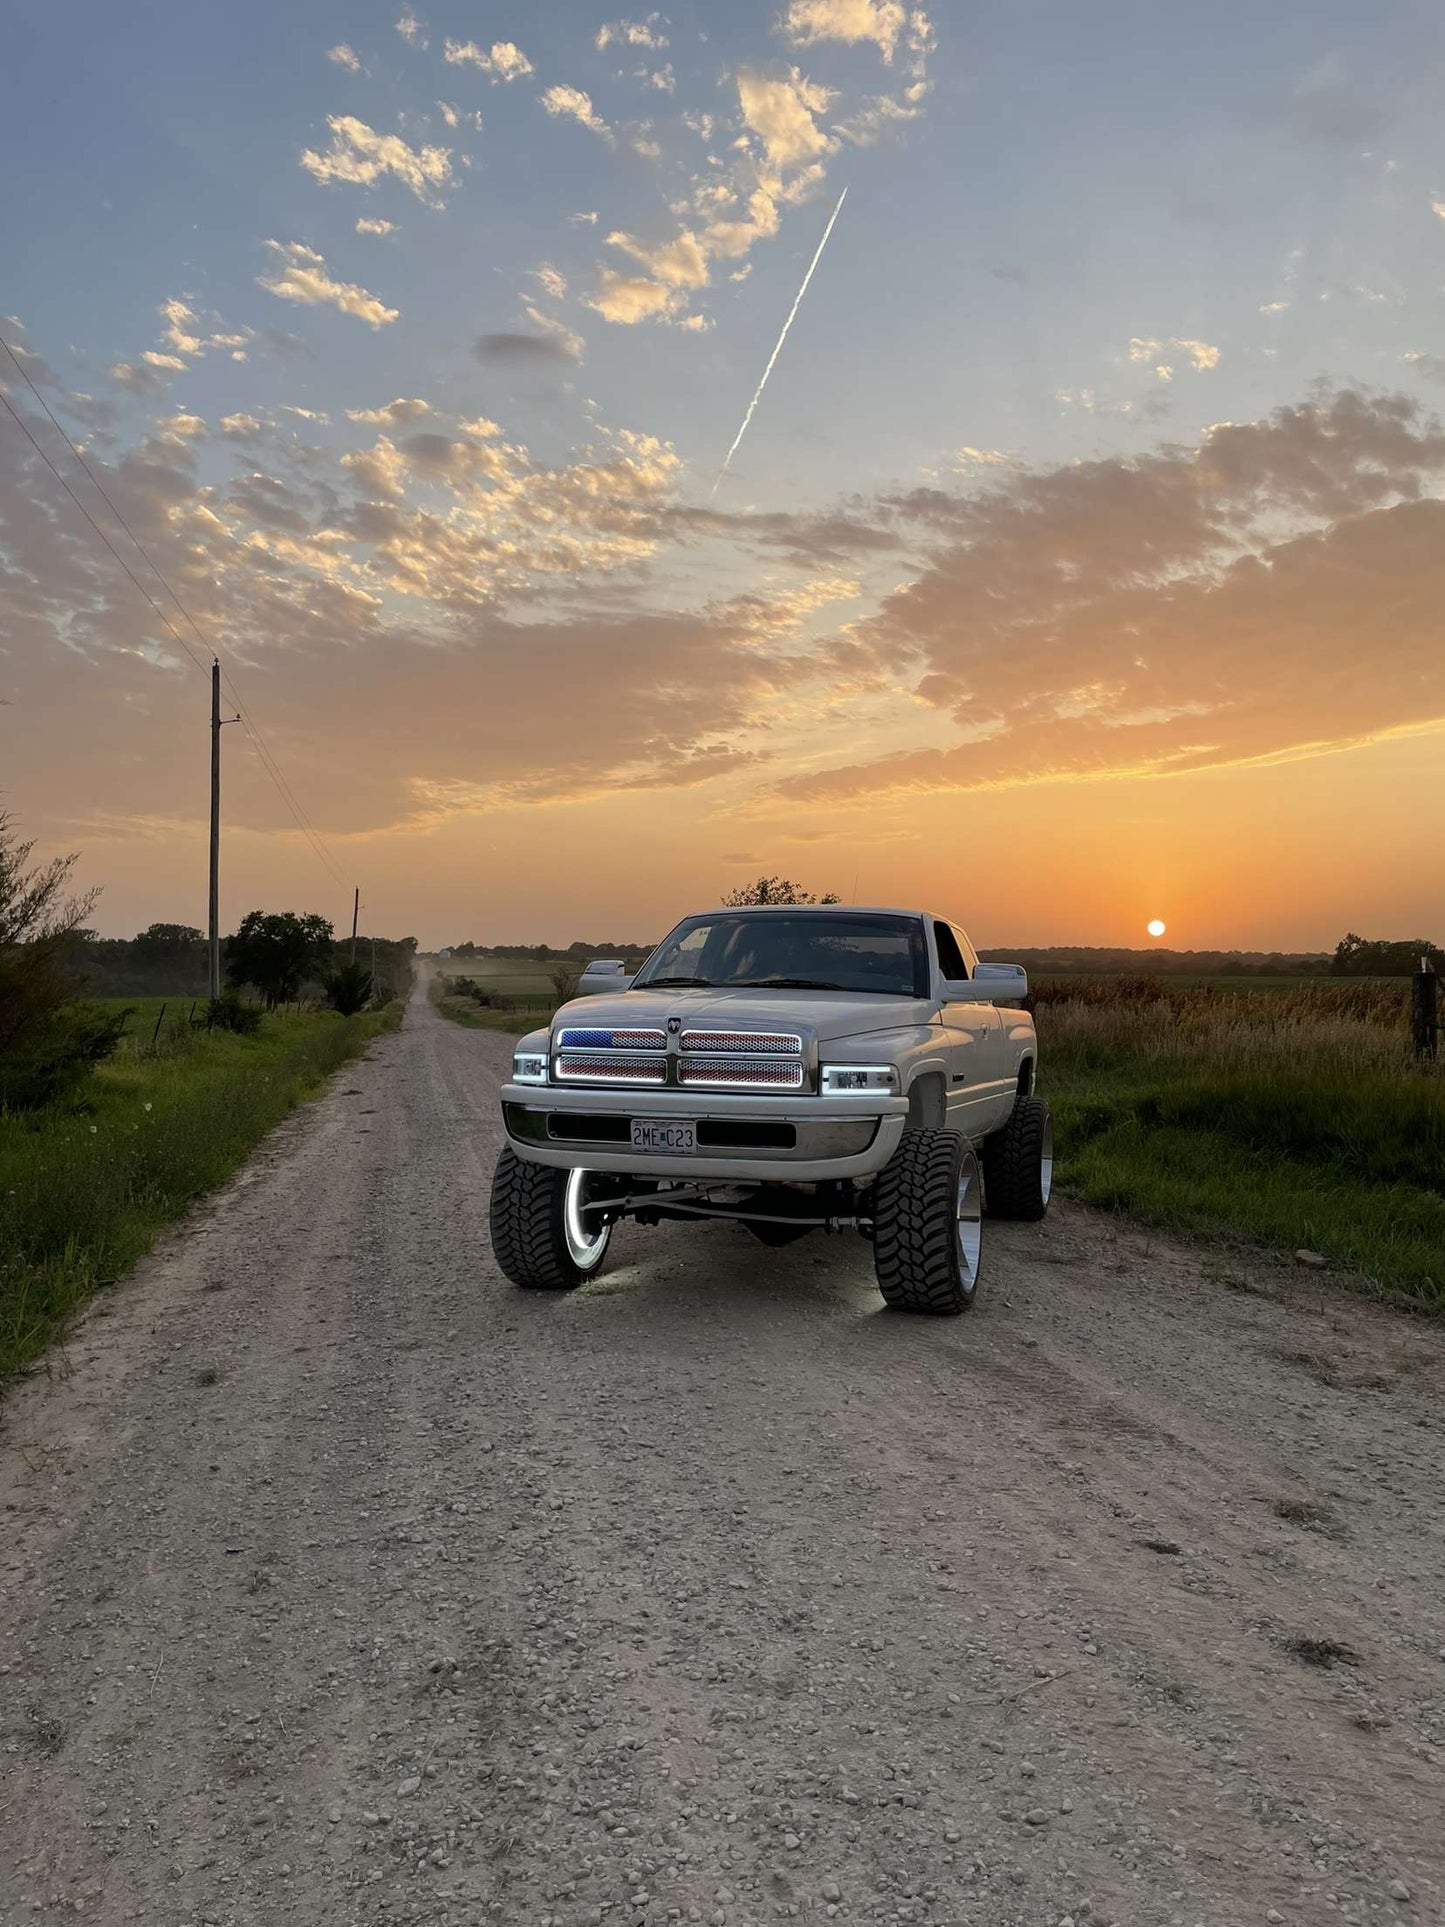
(587, 1232)
(970, 1221)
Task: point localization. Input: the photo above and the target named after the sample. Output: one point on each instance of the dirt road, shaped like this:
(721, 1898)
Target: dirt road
(344, 1584)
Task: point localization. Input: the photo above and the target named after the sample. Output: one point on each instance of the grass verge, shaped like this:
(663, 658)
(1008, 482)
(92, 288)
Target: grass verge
(1282, 1121)
(84, 1191)
(474, 1016)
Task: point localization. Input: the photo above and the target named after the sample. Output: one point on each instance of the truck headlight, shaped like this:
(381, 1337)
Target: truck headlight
(849, 1080)
(529, 1067)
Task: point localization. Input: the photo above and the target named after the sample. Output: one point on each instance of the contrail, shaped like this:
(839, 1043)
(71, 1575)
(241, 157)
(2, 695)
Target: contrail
(797, 303)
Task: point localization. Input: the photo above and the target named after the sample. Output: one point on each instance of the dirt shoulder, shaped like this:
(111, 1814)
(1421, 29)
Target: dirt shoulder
(344, 1584)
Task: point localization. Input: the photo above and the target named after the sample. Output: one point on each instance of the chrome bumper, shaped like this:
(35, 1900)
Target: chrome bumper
(571, 1127)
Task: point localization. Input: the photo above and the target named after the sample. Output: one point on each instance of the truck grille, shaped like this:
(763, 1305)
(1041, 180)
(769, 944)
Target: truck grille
(717, 1060)
(740, 1073)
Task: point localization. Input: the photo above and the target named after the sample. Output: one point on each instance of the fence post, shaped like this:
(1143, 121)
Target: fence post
(157, 1031)
(1423, 1020)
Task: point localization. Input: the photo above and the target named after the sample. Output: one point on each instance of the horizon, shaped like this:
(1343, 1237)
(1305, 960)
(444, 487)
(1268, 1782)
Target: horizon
(1079, 560)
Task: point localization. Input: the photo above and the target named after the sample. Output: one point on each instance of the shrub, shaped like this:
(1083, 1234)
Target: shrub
(231, 1012)
(348, 989)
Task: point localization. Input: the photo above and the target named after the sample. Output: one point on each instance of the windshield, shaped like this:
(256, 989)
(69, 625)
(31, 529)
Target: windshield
(792, 950)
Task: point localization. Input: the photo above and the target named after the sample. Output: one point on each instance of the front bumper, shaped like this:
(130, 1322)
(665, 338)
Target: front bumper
(781, 1140)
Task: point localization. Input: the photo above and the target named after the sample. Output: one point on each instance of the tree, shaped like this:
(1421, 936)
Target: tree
(564, 982)
(47, 1043)
(276, 951)
(162, 942)
(1357, 956)
(773, 890)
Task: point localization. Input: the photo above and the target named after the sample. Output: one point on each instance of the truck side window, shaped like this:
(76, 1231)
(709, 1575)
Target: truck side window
(950, 957)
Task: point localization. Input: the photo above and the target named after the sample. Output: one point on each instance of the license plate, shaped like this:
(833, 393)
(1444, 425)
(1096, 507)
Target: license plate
(672, 1136)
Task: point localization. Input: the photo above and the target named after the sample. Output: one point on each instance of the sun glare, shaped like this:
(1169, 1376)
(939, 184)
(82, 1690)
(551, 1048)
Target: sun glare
(1156, 928)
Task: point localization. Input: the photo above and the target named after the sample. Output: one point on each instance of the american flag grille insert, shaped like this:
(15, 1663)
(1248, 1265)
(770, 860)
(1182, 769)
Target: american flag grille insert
(741, 1073)
(602, 1039)
(610, 1067)
(784, 1043)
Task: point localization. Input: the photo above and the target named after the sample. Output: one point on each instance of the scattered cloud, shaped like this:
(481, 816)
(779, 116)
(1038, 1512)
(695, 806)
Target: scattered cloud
(519, 350)
(346, 57)
(503, 61)
(1273, 307)
(299, 274)
(1202, 353)
(562, 102)
(396, 414)
(550, 281)
(806, 22)
(371, 224)
(632, 33)
(584, 220)
(410, 29)
(241, 427)
(1189, 609)
(780, 112)
(359, 155)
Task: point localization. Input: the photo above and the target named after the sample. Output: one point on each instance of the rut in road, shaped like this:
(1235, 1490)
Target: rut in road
(344, 1584)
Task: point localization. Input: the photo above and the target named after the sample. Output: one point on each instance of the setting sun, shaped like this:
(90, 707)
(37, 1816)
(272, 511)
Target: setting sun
(1156, 927)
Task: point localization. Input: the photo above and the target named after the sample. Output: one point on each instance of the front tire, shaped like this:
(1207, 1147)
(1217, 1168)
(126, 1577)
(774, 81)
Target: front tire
(927, 1224)
(545, 1232)
(1018, 1163)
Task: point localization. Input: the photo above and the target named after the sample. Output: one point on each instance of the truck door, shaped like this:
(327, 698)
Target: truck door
(973, 1042)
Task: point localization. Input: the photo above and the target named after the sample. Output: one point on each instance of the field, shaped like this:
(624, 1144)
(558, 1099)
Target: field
(1293, 1117)
(85, 1189)
(524, 988)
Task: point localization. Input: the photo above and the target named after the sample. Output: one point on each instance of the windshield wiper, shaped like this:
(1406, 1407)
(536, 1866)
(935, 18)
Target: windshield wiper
(788, 983)
(694, 983)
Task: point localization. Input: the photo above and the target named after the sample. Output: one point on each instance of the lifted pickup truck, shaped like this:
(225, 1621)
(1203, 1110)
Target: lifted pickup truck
(795, 1069)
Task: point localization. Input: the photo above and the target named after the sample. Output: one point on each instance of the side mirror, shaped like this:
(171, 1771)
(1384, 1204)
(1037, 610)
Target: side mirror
(603, 973)
(1003, 983)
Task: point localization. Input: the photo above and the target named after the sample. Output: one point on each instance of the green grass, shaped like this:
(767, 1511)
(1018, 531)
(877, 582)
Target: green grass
(84, 1190)
(540, 1002)
(1285, 1120)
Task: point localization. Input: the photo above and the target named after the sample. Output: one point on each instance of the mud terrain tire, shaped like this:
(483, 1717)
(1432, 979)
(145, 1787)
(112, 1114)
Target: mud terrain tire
(1018, 1163)
(529, 1222)
(926, 1224)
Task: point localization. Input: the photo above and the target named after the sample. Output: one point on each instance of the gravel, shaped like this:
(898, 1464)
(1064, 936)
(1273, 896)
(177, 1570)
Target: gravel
(711, 1592)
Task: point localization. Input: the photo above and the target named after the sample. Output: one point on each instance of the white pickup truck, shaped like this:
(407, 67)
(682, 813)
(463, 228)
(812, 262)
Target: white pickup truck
(794, 1068)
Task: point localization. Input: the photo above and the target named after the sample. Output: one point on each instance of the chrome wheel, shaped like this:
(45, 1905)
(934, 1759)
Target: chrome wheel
(969, 1208)
(587, 1234)
(1046, 1162)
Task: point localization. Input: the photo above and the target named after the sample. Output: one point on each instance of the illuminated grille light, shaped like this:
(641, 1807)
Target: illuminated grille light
(756, 1074)
(612, 1040)
(747, 1040)
(602, 1067)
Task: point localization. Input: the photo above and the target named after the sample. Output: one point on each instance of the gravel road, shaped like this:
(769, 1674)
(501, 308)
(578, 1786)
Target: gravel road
(344, 1584)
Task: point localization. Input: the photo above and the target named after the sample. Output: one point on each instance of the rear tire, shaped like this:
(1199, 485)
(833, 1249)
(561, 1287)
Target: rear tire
(926, 1224)
(1018, 1163)
(543, 1235)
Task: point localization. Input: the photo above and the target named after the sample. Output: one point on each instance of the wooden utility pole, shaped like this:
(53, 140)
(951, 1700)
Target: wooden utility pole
(355, 913)
(217, 724)
(215, 922)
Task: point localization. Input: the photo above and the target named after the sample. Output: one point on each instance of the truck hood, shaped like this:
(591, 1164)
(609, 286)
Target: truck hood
(827, 1014)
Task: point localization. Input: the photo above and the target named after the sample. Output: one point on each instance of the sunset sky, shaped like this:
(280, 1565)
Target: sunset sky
(1084, 560)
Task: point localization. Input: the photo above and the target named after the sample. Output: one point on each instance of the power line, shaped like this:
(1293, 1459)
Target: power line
(253, 728)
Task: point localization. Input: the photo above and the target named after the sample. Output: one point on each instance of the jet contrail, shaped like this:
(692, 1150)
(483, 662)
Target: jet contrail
(757, 395)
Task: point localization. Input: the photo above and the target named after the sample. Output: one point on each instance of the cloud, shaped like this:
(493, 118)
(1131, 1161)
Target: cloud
(852, 21)
(629, 298)
(504, 61)
(369, 224)
(1194, 608)
(346, 57)
(584, 220)
(551, 282)
(359, 155)
(519, 350)
(241, 427)
(299, 274)
(780, 112)
(148, 375)
(395, 414)
(183, 427)
(410, 29)
(572, 345)
(632, 33)
(571, 101)
(1202, 353)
